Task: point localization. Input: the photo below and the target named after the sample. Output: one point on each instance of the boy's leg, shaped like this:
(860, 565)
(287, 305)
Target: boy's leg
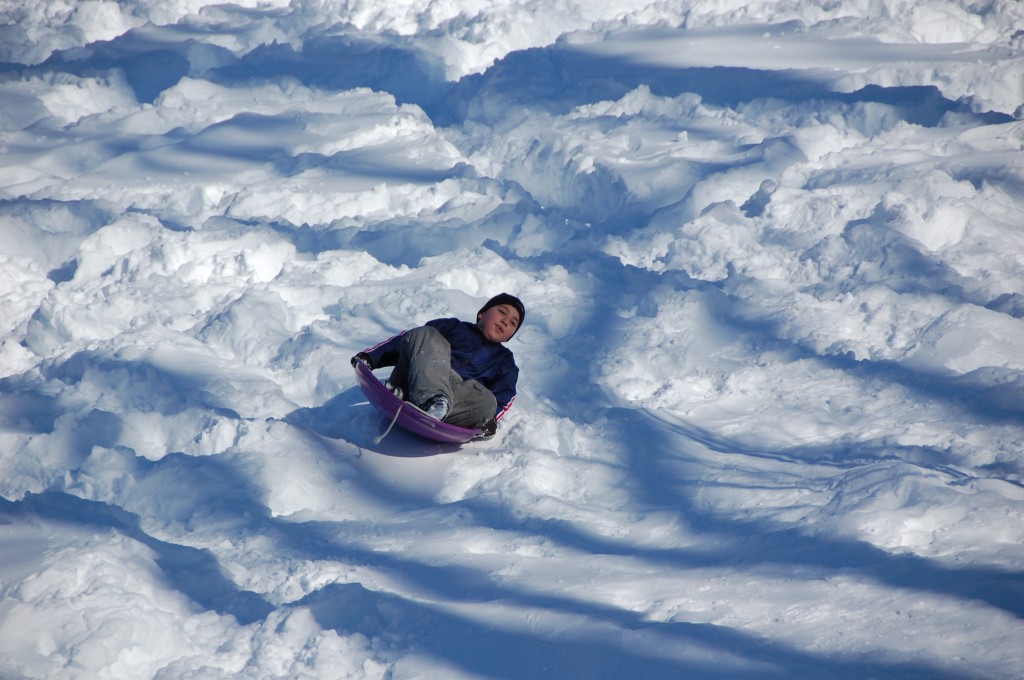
(424, 365)
(425, 368)
(473, 404)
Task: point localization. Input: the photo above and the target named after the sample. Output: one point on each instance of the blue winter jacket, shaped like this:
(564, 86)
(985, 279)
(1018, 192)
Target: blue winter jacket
(474, 357)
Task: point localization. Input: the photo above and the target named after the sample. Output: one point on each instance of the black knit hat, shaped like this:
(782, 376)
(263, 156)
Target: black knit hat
(506, 299)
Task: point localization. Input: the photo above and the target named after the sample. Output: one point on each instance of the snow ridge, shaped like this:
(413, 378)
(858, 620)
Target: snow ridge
(770, 418)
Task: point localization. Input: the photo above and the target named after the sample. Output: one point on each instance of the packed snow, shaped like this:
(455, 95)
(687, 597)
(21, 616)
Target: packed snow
(771, 410)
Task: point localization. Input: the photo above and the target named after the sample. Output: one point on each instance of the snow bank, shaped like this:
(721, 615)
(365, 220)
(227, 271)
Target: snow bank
(769, 423)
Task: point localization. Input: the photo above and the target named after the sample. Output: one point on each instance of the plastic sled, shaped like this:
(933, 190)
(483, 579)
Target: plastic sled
(405, 415)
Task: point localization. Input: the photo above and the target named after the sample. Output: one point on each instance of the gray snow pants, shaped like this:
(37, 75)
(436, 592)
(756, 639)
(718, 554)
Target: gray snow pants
(424, 369)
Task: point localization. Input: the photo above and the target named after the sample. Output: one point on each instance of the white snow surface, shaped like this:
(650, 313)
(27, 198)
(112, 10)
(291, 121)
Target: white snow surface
(770, 420)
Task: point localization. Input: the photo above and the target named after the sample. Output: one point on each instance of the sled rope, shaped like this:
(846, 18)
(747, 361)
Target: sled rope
(378, 440)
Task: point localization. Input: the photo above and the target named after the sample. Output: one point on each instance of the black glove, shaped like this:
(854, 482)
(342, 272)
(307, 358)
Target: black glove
(488, 429)
(365, 358)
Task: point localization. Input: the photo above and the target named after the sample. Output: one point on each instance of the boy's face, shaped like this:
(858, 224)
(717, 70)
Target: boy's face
(499, 322)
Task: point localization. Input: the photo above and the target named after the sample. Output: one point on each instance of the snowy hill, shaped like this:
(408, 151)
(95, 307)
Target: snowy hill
(771, 409)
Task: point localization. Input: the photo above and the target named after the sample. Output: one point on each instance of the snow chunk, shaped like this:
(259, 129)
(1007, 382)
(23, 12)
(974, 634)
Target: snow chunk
(967, 338)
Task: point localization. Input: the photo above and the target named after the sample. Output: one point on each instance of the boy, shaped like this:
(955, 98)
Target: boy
(456, 371)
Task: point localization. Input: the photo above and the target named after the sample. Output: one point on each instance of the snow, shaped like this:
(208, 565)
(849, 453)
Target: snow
(770, 412)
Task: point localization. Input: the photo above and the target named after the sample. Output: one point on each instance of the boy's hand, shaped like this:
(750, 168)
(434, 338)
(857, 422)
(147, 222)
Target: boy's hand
(364, 357)
(488, 429)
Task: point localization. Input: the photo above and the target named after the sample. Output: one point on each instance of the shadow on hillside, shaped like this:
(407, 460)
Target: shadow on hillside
(658, 486)
(554, 78)
(349, 417)
(212, 490)
(993, 394)
(499, 650)
(617, 643)
(649, 446)
(140, 385)
(194, 572)
(407, 239)
(557, 78)
(345, 62)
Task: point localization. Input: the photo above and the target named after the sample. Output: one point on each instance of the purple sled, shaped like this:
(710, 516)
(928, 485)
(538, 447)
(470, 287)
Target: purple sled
(405, 415)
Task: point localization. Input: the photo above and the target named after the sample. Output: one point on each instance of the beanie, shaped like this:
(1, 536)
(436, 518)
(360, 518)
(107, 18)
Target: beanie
(506, 299)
